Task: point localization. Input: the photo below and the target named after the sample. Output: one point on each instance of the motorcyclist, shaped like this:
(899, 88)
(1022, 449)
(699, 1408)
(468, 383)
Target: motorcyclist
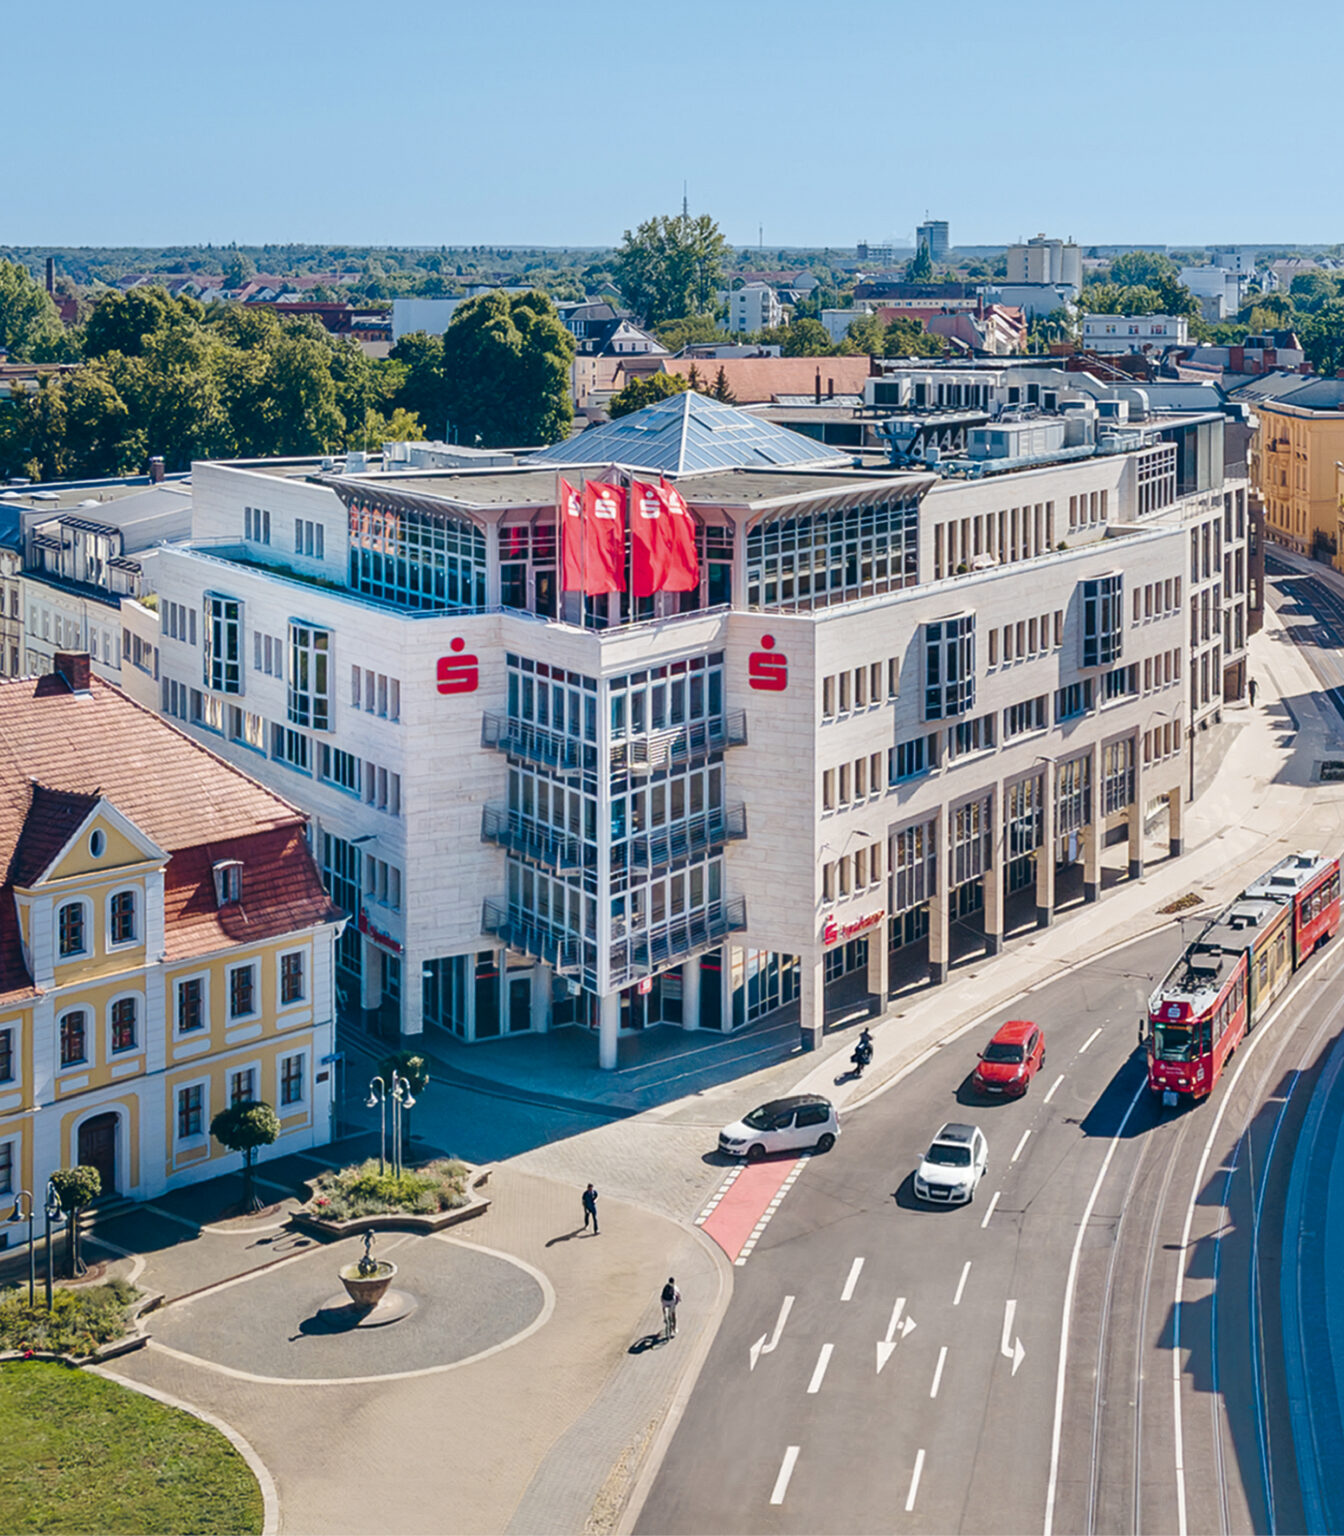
(863, 1052)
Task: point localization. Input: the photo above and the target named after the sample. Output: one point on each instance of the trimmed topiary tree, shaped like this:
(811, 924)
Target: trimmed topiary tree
(243, 1127)
(415, 1069)
(75, 1188)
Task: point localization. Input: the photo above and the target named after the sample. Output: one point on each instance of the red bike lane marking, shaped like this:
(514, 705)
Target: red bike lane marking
(745, 1201)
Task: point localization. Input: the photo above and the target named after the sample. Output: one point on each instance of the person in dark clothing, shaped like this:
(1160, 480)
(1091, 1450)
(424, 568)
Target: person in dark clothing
(1251, 686)
(590, 1209)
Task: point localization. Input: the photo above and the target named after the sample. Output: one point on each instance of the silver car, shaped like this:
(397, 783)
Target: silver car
(950, 1170)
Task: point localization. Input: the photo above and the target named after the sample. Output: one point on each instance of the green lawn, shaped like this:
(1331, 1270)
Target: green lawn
(78, 1453)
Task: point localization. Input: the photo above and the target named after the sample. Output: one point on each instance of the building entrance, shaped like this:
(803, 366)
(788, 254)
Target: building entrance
(98, 1148)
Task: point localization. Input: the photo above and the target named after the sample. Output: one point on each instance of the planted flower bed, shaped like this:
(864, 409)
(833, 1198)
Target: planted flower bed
(437, 1194)
(81, 1322)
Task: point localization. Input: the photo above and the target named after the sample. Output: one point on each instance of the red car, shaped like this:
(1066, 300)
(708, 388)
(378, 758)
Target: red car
(1011, 1059)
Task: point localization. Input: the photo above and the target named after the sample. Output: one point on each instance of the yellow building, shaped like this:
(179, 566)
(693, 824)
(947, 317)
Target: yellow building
(166, 947)
(1300, 438)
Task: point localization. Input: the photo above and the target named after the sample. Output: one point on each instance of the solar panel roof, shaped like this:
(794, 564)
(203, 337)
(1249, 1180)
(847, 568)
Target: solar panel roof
(690, 432)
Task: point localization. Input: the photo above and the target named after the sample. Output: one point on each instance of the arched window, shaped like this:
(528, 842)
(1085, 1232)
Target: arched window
(121, 918)
(72, 929)
(74, 1037)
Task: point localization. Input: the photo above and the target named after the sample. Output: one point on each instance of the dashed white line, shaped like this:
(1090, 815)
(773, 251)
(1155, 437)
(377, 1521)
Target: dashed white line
(719, 1193)
(770, 1209)
(1017, 1150)
(961, 1284)
(818, 1374)
(1089, 1040)
(785, 1473)
(914, 1482)
(1053, 1086)
(993, 1202)
(852, 1280)
(938, 1371)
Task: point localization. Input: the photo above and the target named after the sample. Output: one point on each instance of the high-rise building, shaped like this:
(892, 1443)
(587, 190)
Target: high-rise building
(1041, 260)
(933, 233)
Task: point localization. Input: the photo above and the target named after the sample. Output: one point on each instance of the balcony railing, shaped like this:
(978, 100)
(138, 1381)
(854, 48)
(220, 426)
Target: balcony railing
(686, 839)
(532, 839)
(638, 953)
(529, 937)
(680, 743)
(533, 743)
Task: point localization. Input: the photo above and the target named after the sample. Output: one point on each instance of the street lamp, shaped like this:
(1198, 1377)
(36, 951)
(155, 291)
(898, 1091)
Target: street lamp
(17, 1215)
(402, 1099)
(53, 1211)
(378, 1096)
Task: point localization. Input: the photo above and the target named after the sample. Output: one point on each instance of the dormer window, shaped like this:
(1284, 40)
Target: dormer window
(228, 882)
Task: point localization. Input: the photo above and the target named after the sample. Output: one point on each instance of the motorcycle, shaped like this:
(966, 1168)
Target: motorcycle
(862, 1057)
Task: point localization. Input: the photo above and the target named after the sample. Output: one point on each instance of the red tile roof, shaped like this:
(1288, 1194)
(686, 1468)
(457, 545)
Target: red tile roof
(60, 751)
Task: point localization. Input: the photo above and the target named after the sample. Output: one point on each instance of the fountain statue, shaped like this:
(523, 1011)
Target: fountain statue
(367, 1280)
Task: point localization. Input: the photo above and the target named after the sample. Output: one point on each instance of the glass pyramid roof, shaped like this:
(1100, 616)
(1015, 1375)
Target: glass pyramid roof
(690, 432)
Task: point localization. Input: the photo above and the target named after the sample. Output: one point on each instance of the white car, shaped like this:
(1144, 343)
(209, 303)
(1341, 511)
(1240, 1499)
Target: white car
(783, 1125)
(952, 1167)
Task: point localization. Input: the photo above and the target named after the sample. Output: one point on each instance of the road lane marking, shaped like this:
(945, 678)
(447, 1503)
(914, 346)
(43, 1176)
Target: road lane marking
(852, 1281)
(887, 1345)
(1057, 1431)
(760, 1347)
(914, 1482)
(785, 1473)
(961, 1284)
(1014, 1351)
(1089, 1040)
(1017, 1151)
(938, 1371)
(823, 1360)
(1053, 1086)
(994, 1200)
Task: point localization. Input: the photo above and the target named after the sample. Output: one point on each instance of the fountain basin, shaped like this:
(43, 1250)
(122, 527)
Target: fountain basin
(367, 1289)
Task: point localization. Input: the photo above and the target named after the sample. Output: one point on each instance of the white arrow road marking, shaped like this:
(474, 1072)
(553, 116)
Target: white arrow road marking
(785, 1473)
(885, 1346)
(1053, 1086)
(938, 1371)
(994, 1200)
(852, 1281)
(1017, 1151)
(1014, 1351)
(961, 1284)
(760, 1347)
(823, 1360)
(914, 1482)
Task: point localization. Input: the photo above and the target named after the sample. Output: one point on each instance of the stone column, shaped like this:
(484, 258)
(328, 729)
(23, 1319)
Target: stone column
(492, 573)
(608, 1030)
(370, 976)
(879, 983)
(812, 998)
(1093, 832)
(940, 915)
(542, 987)
(1045, 854)
(690, 993)
(993, 877)
(1175, 821)
(1136, 814)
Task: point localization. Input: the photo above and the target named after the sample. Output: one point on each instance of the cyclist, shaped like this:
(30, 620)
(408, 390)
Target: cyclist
(671, 1299)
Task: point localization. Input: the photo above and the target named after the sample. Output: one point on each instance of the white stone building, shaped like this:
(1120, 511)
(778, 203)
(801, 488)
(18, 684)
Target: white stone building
(896, 701)
(1041, 260)
(1134, 333)
(754, 307)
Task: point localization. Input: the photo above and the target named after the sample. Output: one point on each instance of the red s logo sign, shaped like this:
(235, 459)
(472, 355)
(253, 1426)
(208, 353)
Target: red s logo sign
(766, 671)
(458, 674)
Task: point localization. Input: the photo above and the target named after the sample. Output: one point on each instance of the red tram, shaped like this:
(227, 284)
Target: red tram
(1227, 978)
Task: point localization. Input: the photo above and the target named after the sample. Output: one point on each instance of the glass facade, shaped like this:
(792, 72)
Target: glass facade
(415, 559)
(820, 558)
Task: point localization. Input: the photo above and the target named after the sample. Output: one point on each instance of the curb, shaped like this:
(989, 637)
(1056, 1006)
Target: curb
(395, 1221)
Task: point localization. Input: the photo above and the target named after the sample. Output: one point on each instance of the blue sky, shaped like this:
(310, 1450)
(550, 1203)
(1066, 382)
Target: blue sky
(465, 122)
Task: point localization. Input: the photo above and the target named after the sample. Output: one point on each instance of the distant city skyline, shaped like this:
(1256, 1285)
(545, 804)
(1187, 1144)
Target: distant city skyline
(443, 125)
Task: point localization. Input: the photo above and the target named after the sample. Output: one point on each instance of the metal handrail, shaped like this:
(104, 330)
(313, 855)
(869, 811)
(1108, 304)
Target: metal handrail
(681, 743)
(535, 743)
(684, 839)
(650, 949)
(530, 937)
(532, 839)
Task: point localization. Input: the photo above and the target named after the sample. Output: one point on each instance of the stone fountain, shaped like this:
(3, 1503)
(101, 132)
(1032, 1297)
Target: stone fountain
(370, 1303)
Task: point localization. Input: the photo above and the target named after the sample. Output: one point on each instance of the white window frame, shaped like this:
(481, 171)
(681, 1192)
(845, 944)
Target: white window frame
(15, 1026)
(304, 1101)
(203, 1033)
(15, 1145)
(235, 1019)
(254, 1067)
(202, 1138)
(306, 953)
(138, 1049)
(137, 924)
(90, 1056)
(88, 950)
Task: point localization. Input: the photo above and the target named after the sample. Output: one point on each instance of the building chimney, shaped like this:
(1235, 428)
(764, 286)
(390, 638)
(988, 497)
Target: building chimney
(156, 469)
(830, 389)
(818, 386)
(51, 275)
(73, 666)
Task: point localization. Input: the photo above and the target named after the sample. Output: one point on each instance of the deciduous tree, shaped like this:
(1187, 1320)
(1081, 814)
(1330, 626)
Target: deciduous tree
(506, 360)
(671, 267)
(30, 327)
(244, 1127)
(76, 1188)
(646, 389)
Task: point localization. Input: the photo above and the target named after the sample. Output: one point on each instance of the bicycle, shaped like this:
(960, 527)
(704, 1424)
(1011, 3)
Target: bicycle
(669, 1321)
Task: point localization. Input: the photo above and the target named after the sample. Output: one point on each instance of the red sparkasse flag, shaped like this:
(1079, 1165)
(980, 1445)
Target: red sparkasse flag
(571, 538)
(603, 537)
(682, 573)
(650, 532)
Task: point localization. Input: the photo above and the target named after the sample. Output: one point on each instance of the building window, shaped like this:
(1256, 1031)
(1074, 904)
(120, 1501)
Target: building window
(291, 978)
(222, 654)
(1103, 620)
(909, 759)
(1119, 683)
(243, 1086)
(1021, 719)
(6, 1167)
(340, 768)
(968, 736)
(309, 677)
(190, 1112)
(6, 1055)
(190, 1005)
(123, 1025)
(820, 558)
(290, 747)
(1073, 700)
(71, 924)
(242, 991)
(291, 1081)
(74, 1038)
(123, 917)
(417, 560)
(949, 667)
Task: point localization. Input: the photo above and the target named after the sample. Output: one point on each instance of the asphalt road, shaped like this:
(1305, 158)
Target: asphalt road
(1167, 1412)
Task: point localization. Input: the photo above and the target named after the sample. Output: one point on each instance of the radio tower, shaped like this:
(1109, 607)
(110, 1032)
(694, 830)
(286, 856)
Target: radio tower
(685, 203)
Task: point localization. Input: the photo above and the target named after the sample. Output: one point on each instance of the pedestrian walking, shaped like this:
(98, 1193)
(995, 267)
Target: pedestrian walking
(671, 1300)
(590, 1209)
(1251, 686)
